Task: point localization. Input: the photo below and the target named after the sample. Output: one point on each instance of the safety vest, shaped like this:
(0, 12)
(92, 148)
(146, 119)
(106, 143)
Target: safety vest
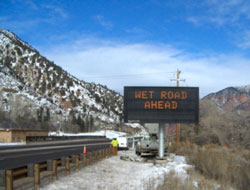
(114, 143)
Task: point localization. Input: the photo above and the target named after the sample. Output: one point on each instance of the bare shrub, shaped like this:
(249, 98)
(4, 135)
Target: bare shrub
(229, 166)
(172, 182)
(247, 155)
(194, 182)
(173, 148)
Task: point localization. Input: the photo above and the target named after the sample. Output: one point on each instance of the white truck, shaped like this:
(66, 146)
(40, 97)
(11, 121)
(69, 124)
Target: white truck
(122, 143)
(149, 144)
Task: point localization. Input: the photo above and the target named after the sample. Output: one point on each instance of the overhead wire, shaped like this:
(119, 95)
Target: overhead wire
(125, 76)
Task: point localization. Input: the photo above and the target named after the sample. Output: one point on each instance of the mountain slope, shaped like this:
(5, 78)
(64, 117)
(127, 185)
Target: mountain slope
(232, 98)
(35, 90)
(224, 118)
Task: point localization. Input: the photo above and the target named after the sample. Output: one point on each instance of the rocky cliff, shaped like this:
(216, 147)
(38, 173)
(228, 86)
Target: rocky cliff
(232, 98)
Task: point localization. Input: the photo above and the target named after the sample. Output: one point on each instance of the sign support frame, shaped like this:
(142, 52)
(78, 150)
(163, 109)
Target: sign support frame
(162, 134)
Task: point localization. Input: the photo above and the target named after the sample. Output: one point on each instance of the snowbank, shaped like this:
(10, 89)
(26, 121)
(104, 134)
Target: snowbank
(9, 144)
(108, 133)
(114, 173)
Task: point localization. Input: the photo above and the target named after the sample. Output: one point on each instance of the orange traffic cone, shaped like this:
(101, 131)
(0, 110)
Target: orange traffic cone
(84, 150)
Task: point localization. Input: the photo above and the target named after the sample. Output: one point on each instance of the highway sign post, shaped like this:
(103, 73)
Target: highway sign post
(161, 105)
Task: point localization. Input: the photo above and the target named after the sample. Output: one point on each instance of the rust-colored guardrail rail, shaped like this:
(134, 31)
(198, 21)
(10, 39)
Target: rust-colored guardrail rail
(34, 171)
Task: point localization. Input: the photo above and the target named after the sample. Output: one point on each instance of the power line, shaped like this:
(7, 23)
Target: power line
(124, 76)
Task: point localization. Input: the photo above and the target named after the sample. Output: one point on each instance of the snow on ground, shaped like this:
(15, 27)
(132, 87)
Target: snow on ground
(108, 133)
(9, 144)
(116, 174)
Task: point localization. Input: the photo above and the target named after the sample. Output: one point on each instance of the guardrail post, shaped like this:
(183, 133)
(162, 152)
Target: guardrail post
(54, 170)
(84, 160)
(106, 153)
(99, 155)
(90, 158)
(110, 152)
(2, 178)
(67, 165)
(81, 160)
(77, 162)
(103, 153)
(9, 180)
(30, 170)
(37, 176)
(95, 156)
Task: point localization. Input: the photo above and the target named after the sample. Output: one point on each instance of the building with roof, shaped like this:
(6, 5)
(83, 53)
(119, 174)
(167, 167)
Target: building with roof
(19, 135)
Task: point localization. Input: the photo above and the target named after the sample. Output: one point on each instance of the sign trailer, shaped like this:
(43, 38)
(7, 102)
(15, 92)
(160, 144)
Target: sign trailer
(161, 105)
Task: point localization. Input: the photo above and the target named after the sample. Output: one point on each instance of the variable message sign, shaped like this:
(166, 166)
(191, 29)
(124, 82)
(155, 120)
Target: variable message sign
(161, 104)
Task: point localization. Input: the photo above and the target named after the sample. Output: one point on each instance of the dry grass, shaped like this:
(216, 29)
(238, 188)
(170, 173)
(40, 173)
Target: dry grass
(172, 182)
(194, 182)
(228, 166)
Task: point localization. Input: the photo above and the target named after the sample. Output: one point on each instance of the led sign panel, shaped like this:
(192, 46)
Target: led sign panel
(161, 104)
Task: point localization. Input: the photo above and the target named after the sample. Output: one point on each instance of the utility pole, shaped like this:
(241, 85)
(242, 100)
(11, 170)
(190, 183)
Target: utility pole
(178, 126)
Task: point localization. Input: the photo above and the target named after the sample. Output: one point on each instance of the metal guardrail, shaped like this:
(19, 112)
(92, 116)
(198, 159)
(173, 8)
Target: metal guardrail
(17, 156)
(8, 176)
(58, 138)
(15, 167)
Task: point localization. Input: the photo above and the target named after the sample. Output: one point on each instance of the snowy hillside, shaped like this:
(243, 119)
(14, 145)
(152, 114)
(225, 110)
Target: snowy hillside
(35, 89)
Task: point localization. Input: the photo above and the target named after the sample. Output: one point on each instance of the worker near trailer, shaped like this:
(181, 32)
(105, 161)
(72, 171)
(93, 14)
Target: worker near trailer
(114, 145)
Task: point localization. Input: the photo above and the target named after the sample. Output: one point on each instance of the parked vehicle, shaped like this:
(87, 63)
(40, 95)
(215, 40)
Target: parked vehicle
(123, 143)
(149, 144)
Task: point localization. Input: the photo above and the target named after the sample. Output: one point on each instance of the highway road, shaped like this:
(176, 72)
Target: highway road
(16, 156)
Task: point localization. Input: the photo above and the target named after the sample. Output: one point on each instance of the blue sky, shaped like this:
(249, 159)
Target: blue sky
(104, 41)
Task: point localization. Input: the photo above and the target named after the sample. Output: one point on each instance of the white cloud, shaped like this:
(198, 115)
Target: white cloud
(31, 4)
(194, 20)
(137, 30)
(244, 41)
(222, 12)
(233, 15)
(20, 23)
(103, 22)
(56, 11)
(88, 58)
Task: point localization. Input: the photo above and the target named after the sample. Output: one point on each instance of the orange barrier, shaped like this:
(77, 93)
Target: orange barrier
(84, 150)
